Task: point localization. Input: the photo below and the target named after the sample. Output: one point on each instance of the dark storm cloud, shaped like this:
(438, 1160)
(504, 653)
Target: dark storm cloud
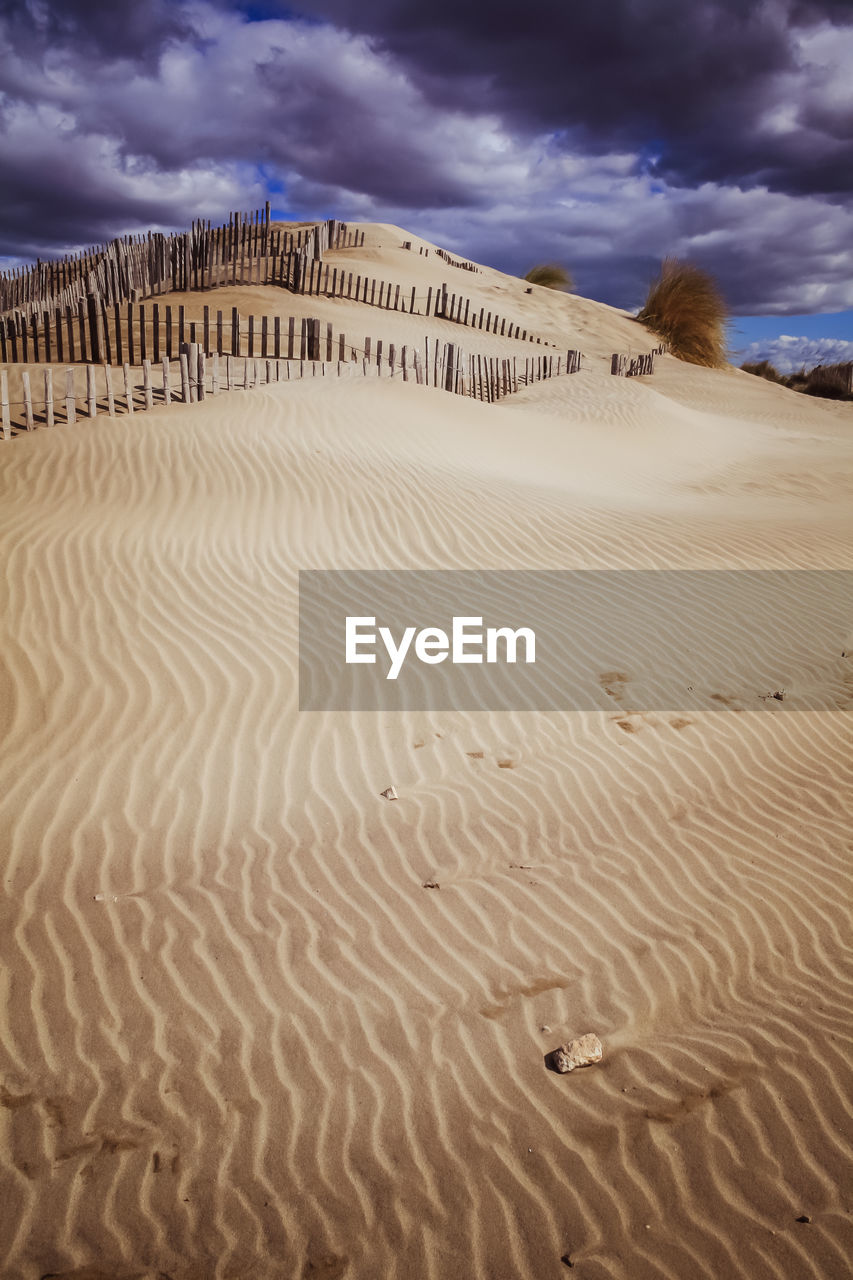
(136, 29)
(603, 135)
(694, 85)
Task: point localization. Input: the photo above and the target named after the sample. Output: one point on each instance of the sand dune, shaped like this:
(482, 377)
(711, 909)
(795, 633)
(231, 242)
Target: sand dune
(242, 1039)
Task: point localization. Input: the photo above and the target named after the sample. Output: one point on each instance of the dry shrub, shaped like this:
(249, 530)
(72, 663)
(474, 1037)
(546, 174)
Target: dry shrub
(686, 308)
(762, 369)
(550, 275)
(832, 382)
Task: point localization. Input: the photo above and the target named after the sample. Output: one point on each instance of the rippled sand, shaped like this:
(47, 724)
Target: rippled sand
(241, 1038)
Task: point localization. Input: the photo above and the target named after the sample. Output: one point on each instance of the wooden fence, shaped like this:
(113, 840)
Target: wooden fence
(73, 309)
(246, 250)
(114, 335)
(627, 367)
(94, 330)
(445, 256)
(195, 376)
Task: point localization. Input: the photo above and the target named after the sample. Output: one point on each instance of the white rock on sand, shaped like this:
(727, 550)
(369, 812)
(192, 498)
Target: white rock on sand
(582, 1052)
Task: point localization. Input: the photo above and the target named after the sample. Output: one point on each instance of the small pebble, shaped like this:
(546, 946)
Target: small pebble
(804, 1217)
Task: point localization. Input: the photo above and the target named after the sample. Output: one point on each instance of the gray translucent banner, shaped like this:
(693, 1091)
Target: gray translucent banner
(596, 640)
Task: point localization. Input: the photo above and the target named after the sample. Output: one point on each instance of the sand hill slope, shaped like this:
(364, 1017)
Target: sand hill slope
(241, 1038)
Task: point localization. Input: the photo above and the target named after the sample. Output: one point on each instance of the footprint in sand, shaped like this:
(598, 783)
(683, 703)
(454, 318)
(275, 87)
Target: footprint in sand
(613, 683)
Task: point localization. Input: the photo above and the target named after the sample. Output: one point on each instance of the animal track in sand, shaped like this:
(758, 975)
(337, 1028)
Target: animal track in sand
(727, 700)
(690, 1101)
(536, 988)
(328, 1265)
(11, 1101)
(157, 1163)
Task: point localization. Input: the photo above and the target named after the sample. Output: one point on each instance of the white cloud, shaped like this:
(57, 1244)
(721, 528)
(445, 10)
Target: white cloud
(788, 354)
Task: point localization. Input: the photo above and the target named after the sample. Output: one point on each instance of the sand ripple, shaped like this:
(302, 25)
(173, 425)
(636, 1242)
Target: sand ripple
(241, 1038)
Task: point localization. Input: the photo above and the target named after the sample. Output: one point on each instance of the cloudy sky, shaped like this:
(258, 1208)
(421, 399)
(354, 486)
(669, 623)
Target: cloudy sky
(602, 135)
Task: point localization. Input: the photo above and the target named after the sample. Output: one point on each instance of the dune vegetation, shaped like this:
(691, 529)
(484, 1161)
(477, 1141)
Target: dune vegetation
(551, 275)
(685, 306)
(829, 381)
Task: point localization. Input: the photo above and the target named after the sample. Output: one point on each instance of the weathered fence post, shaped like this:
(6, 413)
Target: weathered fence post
(450, 367)
(192, 368)
(96, 329)
(48, 397)
(108, 382)
(185, 377)
(5, 421)
(147, 389)
(91, 396)
(28, 399)
(70, 399)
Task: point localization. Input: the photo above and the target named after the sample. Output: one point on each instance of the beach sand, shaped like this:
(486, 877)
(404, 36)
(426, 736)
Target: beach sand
(241, 1038)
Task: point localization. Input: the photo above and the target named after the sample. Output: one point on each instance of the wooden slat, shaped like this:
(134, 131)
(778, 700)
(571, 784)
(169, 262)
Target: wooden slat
(48, 397)
(128, 388)
(70, 399)
(108, 382)
(185, 378)
(5, 420)
(147, 386)
(91, 394)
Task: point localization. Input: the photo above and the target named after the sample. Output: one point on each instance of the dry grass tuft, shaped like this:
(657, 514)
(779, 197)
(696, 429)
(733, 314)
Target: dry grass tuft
(686, 308)
(762, 369)
(550, 275)
(831, 382)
